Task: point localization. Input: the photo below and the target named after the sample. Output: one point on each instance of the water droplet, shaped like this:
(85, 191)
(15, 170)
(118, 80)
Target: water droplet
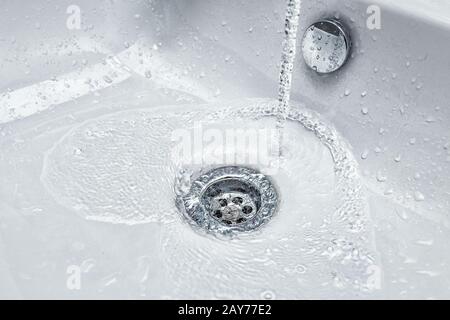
(381, 177)
(77, 151)
(364, 110)
(300, 268)
(430, 119)
(365, 154)
(418, 196)
(402, 214)
(268, 295)
(427, 242)
(107, 79)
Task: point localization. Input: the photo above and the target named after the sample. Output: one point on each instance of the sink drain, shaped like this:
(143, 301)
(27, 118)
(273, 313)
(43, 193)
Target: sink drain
(230, 199)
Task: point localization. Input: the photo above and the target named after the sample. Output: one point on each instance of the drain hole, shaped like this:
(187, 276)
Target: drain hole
(229, 199)
(247, 210)
(213, 192)
(237, 200)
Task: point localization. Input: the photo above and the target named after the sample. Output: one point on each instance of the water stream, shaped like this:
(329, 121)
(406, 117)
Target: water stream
(287, 64)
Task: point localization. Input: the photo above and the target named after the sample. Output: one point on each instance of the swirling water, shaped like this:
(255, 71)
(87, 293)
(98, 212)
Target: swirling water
(120, 168)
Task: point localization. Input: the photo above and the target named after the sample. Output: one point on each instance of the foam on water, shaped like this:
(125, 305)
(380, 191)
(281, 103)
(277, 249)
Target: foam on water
(119, 168)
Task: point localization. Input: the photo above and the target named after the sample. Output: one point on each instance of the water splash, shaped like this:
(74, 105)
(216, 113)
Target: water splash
(118, 169)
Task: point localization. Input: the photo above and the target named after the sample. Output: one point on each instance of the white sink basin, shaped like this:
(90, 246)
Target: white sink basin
(90, 117)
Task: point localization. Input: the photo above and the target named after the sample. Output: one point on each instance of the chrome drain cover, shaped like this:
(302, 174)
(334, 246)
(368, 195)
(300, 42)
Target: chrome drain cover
(230, 199)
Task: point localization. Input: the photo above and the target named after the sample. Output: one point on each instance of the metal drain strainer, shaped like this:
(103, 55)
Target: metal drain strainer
(230, 199)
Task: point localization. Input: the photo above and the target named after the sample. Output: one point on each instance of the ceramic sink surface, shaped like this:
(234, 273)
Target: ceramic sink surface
(89, 105)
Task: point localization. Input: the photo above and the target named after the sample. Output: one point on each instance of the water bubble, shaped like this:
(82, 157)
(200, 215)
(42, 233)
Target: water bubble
(418, 196)
(300, 268)
(365, 154)
(426, 242)
(107, 79)
(268, 295)
(381, 177)
(402, 214)
(77, 151)
(430, 119)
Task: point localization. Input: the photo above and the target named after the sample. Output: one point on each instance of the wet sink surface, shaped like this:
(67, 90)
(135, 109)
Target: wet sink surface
(107, 188)
(92, 122)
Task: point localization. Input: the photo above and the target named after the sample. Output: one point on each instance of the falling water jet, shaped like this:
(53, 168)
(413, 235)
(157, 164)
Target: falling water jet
(287, 65)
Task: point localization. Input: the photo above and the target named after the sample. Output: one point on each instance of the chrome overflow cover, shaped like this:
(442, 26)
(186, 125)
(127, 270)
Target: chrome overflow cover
(326, 46)
(228, 200)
